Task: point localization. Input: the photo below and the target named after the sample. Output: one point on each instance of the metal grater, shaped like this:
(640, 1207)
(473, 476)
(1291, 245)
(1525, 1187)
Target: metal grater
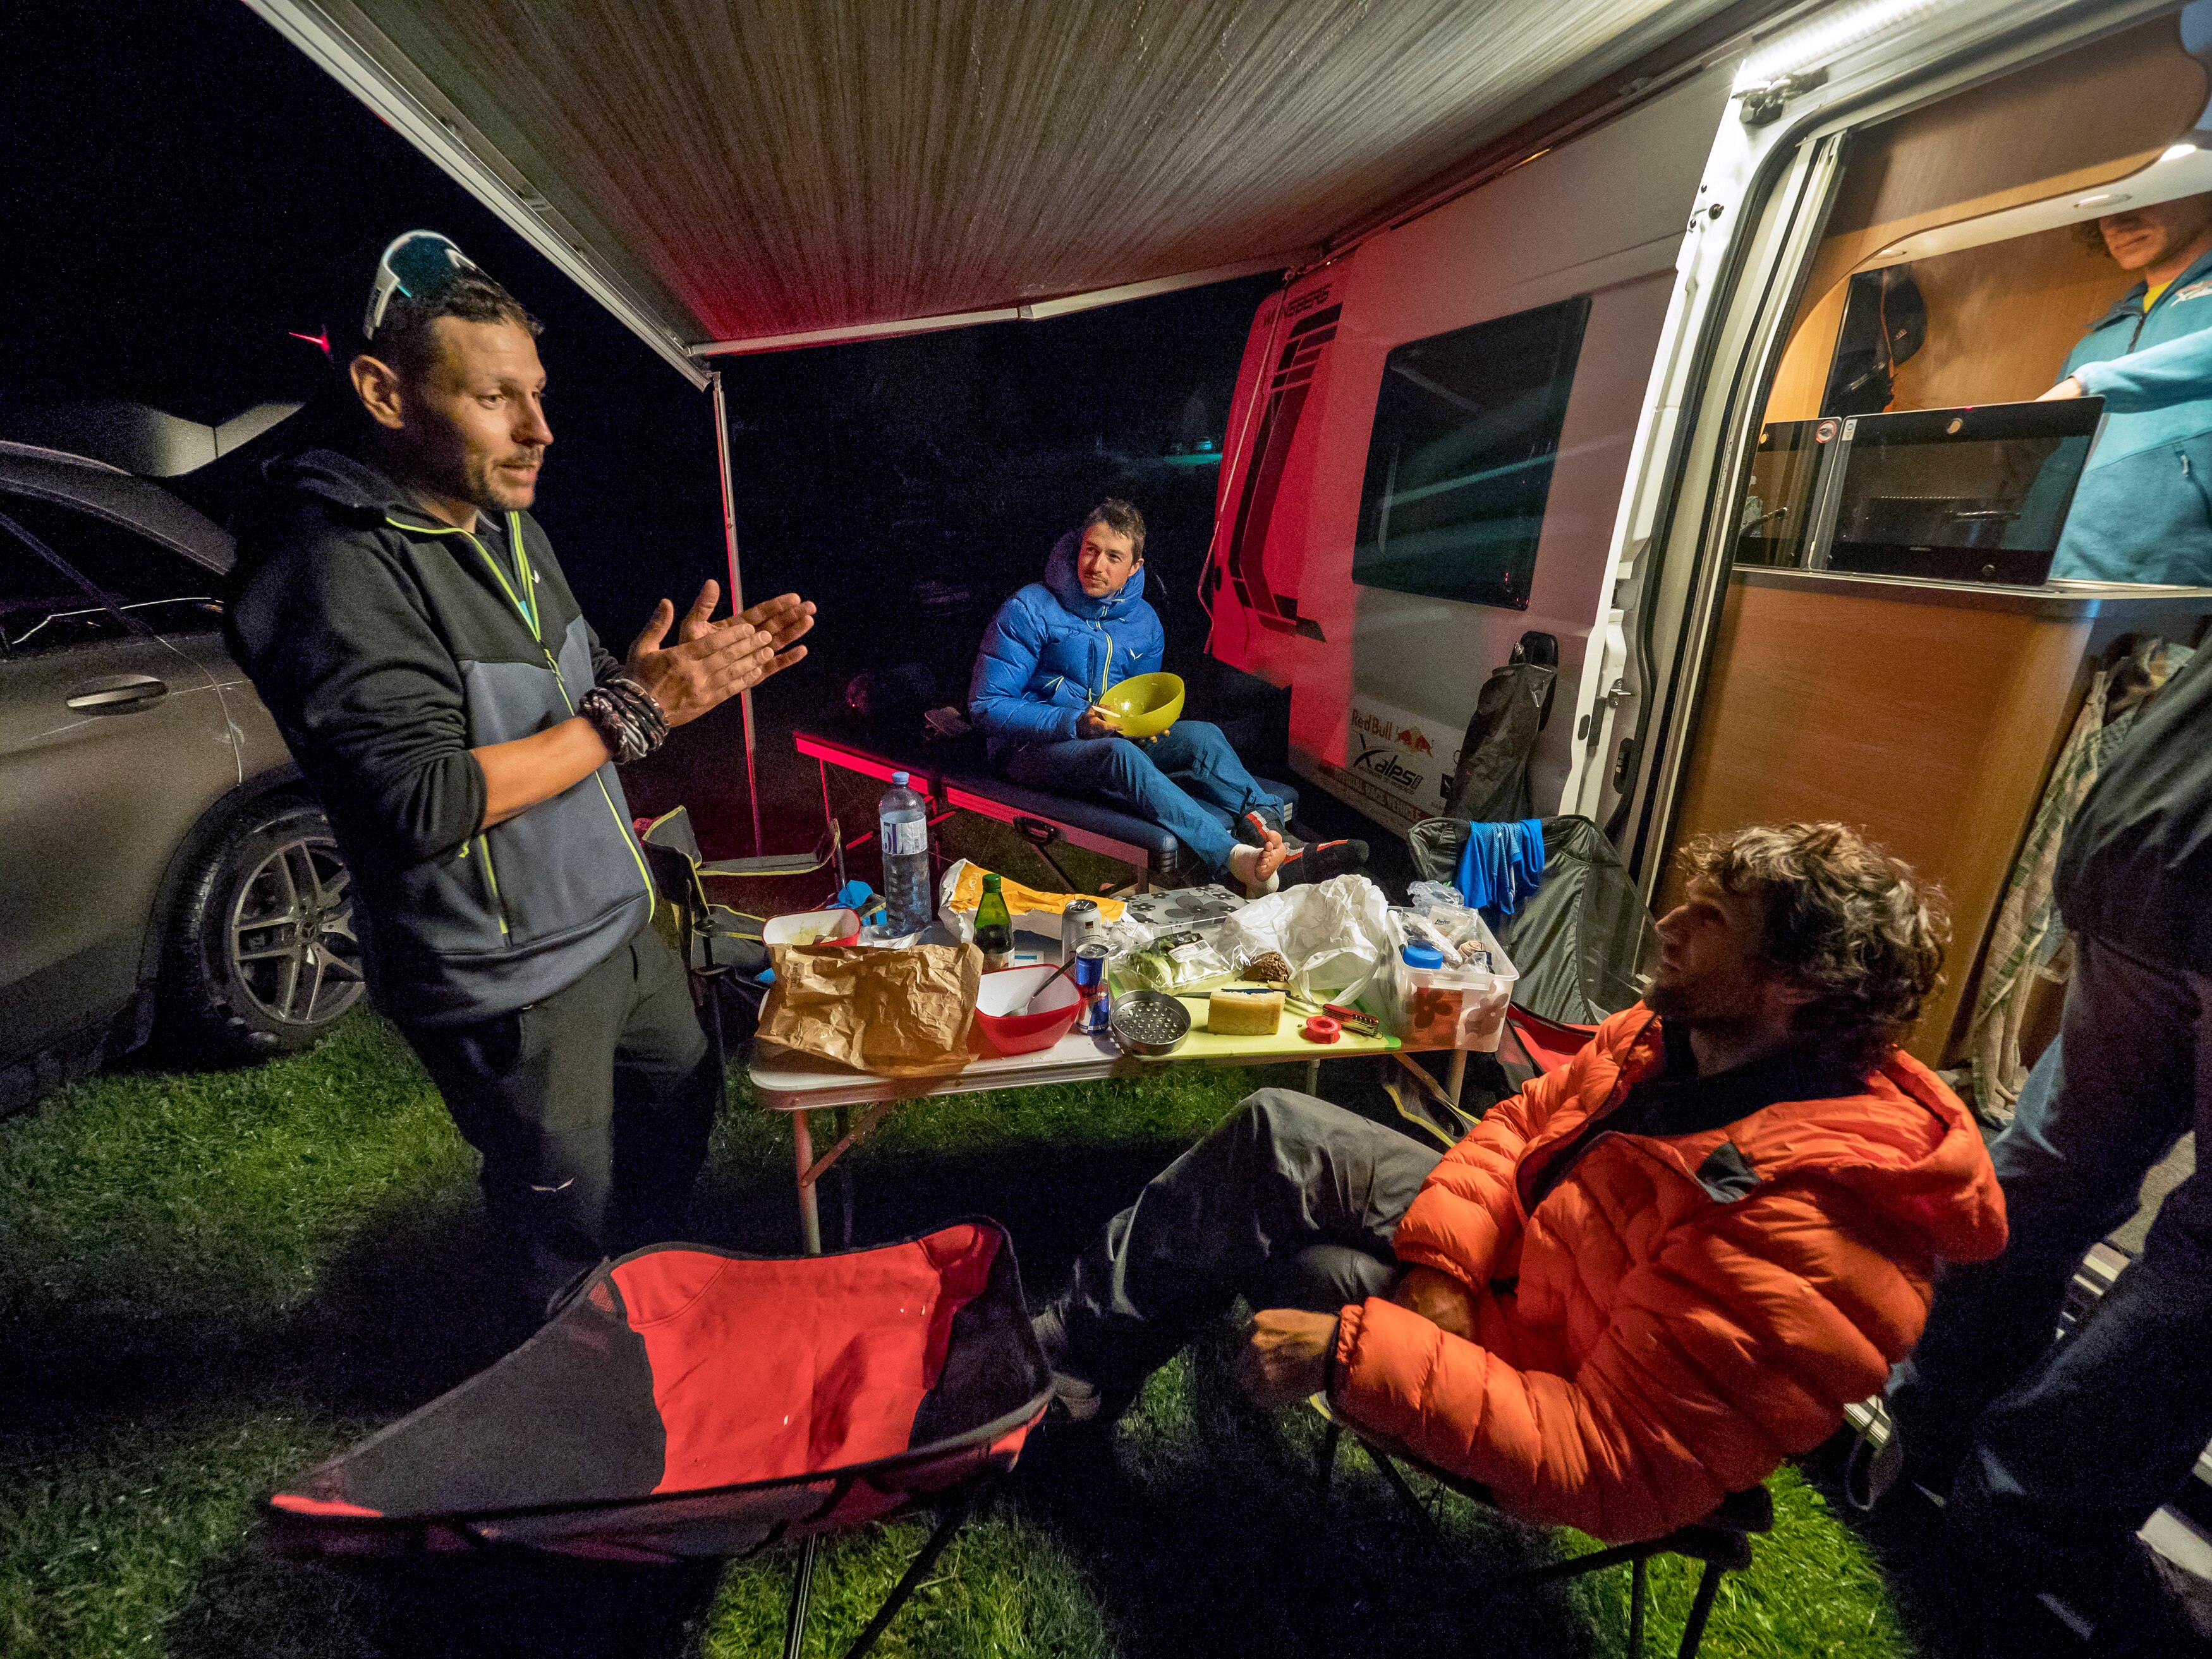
(1149, 1023)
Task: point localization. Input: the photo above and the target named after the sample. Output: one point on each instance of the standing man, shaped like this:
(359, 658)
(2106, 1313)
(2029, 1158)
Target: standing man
(2142, 512)
(2055, 1454)
(405, 620)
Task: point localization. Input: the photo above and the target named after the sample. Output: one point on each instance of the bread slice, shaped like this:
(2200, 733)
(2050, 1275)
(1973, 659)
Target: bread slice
(1244, 1014)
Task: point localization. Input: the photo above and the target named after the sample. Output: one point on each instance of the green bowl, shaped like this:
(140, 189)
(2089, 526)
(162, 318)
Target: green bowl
(1147, 703)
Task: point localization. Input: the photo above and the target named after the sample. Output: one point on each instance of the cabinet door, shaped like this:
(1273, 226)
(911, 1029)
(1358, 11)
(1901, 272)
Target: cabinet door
(113, 743)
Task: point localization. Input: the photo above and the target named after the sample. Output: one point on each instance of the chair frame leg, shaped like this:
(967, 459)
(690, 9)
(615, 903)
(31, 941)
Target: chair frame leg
(1636, 1556)
(954, 1518)
(1332, 1437)
(843, 1174)
(1403, 1488)
(1701, 1609)
(802, 1593)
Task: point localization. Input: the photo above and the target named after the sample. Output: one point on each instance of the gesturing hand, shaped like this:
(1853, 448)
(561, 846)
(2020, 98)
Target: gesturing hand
(1284, 1356)
(713, 661)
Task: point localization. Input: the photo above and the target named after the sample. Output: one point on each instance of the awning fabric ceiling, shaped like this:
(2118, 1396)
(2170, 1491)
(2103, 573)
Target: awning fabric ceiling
(732, 171)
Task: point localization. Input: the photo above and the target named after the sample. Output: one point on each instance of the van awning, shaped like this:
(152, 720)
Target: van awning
(730, 175)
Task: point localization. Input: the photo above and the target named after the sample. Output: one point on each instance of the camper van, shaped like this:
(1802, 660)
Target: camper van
(1732, 395)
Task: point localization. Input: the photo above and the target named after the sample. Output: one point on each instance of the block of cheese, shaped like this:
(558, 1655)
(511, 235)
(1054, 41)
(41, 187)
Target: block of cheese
(1244, 1014)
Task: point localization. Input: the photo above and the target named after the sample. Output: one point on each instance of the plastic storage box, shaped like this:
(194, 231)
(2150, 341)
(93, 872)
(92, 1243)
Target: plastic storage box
(1443, 1007)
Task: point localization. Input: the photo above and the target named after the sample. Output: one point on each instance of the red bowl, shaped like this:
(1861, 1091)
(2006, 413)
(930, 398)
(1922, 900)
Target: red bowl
(1008, 989)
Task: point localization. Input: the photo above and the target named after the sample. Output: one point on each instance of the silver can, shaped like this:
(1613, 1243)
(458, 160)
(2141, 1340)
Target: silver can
(1078, 922)
(1089, 977)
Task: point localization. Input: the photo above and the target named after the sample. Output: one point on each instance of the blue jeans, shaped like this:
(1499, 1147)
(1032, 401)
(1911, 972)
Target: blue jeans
(1188, 781)
(2063, 1449)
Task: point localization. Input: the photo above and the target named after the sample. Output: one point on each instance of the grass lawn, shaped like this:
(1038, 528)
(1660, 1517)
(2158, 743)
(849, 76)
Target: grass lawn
(208, 1281)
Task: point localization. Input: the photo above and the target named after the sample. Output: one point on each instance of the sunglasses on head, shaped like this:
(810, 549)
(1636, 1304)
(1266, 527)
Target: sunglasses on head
(417, 263)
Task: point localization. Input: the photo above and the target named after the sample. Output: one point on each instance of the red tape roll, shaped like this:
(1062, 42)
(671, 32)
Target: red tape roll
(1322, 1029)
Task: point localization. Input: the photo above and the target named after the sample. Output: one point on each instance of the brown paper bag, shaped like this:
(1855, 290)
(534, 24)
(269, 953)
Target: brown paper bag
(896, 1013)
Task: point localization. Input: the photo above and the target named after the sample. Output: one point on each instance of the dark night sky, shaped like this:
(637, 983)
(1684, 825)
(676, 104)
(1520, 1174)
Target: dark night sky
(181, 189)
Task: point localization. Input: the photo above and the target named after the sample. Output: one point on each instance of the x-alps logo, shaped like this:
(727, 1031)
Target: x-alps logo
(1382, 760)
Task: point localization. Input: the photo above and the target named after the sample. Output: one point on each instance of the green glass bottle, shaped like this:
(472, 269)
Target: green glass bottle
(994, 928)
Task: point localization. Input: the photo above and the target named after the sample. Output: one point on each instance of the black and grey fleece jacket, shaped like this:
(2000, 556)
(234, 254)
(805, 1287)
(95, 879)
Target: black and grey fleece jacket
(387, 646)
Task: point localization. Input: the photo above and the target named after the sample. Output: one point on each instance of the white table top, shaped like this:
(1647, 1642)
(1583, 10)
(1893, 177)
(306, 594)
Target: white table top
(1074, 1059)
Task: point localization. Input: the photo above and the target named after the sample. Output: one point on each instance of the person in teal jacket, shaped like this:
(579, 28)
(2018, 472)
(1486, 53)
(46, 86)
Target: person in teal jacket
(1056, 647)
(2143, 510)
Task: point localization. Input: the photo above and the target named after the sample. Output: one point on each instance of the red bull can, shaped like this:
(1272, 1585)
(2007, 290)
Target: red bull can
(1089, 977)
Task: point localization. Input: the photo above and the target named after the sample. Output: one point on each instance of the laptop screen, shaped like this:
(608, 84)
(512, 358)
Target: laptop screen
(1978, 493)
(1961, 494)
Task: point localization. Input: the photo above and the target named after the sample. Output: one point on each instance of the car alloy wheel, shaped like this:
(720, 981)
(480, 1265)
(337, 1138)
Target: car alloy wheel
(292, 945)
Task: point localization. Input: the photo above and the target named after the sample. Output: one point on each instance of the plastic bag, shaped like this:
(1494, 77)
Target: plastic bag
(1182, 961)
(1334, 934)
(1427, 895)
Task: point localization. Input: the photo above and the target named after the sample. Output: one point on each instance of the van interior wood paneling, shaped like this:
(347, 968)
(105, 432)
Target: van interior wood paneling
(2068, 124)
(1927, 728)
(2001, 317)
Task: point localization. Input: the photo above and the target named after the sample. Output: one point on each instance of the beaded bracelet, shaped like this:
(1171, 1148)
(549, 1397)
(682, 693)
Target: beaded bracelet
(626, 717)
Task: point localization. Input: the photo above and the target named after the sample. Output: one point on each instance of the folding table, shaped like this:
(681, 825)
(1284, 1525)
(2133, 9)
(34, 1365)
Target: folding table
(1074, 1059)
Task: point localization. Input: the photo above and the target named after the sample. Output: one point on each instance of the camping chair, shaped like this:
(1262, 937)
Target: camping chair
(1547, 1044)
(1722, 1540)
(692, 1403)
(722, 944)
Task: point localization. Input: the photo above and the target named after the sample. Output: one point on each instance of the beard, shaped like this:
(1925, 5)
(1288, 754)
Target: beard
(494, 489)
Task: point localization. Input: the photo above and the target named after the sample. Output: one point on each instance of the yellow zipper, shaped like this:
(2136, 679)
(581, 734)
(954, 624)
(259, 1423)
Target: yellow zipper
(491, 880)
(529, 615)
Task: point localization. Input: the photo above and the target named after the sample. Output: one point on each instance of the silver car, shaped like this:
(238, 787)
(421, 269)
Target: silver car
(160, 863)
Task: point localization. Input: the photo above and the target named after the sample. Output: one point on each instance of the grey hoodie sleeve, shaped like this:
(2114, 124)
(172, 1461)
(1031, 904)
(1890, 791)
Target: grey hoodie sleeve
(369, 697)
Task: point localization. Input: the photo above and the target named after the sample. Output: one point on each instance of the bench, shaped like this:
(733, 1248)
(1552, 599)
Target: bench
(955, 773)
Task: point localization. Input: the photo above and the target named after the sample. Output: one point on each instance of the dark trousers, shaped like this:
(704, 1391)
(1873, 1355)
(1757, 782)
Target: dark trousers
(591, 1110)
(1289, 1202)
(2065, 1449)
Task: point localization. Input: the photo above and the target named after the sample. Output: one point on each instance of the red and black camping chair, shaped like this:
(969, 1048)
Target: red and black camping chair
(1544, 1045)
(689, 1402)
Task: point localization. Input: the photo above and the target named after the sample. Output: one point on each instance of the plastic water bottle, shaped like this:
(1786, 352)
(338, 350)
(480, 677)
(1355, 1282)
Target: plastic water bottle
(902, 825)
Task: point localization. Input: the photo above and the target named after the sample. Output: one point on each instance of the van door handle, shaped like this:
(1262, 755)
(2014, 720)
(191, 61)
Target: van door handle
(116, 694)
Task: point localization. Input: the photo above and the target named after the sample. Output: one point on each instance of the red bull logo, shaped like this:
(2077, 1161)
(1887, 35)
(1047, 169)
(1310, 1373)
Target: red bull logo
(1408, 739)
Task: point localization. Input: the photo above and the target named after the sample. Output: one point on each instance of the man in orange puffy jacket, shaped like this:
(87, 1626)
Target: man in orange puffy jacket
(1639, 1284)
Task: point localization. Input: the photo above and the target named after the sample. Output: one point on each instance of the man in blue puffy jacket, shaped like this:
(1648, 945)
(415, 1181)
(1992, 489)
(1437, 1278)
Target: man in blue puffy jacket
(1056, 647)
(2143, 511)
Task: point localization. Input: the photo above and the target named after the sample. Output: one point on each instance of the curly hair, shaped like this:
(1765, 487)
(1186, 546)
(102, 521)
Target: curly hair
(1841, 918)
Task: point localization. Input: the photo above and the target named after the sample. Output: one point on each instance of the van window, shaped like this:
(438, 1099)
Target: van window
(1467, 428)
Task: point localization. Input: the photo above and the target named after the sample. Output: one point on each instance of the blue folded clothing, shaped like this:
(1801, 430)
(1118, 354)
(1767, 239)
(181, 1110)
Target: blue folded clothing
(1501, 865)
